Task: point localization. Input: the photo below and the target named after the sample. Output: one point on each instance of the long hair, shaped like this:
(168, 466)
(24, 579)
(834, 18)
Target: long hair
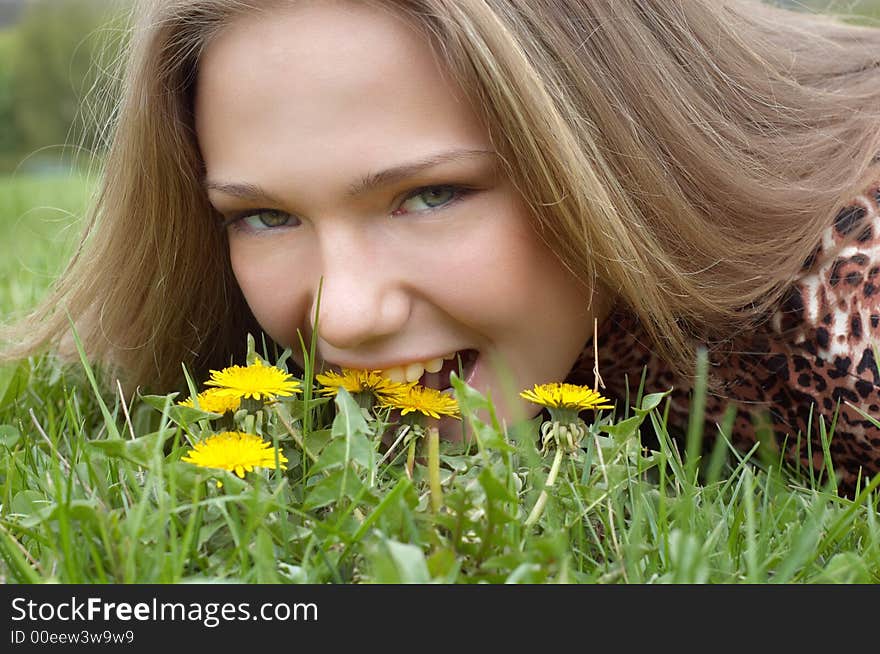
(681, 155)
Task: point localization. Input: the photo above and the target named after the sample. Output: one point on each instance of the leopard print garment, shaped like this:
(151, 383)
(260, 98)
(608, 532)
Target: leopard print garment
(816, 349)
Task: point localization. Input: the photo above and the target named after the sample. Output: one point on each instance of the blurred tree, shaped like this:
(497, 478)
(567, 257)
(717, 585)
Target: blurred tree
(60, 72)
(9, 11)
(9, 141)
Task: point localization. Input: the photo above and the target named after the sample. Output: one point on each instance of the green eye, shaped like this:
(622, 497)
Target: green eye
(427, 199)
(436, 197)
(262, 220)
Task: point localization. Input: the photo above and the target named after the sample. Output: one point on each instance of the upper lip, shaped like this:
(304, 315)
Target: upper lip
(398, 363)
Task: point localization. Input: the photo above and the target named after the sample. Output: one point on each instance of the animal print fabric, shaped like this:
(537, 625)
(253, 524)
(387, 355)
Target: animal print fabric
(814, 357)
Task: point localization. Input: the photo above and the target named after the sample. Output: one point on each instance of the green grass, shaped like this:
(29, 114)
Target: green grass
(92, 490)
(39, 223)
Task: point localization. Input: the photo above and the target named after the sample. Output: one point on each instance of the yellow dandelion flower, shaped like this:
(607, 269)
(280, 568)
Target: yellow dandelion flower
(421, 399)
(357, 381)
(213, 401)
(566, 396)
(257, 381)
(234, 451)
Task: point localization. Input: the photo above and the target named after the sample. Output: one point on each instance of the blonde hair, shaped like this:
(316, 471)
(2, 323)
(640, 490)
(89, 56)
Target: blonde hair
(683, 155)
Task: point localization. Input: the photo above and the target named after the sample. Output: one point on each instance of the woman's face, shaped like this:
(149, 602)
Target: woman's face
(336, 148)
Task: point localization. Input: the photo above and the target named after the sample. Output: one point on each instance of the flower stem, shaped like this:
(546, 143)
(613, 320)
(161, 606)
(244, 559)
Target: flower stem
(538, 509)
(411, 458)
(434, 469)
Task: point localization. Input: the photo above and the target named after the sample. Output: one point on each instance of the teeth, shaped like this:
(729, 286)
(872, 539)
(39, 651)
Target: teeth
(414, 371)
(397, 374)
(433, 365)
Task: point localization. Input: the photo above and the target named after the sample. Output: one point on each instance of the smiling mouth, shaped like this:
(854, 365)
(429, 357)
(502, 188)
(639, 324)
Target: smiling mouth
(434, 373)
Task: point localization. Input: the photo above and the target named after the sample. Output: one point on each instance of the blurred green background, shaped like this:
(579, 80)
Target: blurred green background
(57, 91)
(57, 83)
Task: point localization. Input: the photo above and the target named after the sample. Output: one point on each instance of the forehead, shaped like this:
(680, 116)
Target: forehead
(326, 38)
(319, 78)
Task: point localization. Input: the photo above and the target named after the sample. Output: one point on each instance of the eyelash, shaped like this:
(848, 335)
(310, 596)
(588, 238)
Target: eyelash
(236, 221)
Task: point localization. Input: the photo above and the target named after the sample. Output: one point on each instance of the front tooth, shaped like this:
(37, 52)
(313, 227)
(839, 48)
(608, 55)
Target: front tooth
(434, 365)
(397, 375)
(450, 356)
(414, 371)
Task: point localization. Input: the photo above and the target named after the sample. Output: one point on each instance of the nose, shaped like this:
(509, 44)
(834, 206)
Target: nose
(361, 297)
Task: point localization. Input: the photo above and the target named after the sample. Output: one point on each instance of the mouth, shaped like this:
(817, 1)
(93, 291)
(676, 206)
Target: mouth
(435, 373)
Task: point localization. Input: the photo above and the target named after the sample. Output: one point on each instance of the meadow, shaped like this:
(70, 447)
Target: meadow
(97, 484)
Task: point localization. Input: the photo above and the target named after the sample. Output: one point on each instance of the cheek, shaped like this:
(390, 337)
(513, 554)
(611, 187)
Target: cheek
(276, 294)
(503, 275)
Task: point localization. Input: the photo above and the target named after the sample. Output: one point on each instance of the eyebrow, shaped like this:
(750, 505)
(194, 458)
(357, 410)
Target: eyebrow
(368, 182)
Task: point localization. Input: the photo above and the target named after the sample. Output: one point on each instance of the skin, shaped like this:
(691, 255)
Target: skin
(306, 102)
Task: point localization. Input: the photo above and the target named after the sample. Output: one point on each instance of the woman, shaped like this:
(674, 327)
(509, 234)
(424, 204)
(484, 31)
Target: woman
(480, 182)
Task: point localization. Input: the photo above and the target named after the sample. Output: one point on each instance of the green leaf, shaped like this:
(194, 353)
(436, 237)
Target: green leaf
(351, 433)
(251, 355)
(459, 462)
(13, 381)
(443, 565)
(81, 510)
(525, 573)
(28, 502)
(10, 551)
(625, 428)
(393, 510)
(469, 399)
(138, 450)
(846, 568)
(264, 558)
(9, 435)
(495, 490)
(315, 441)
(399, 563)
(688, 561)
(492, 438)
(332, 488)
(651, 402)
(343, 451)
(349, 418)
(295, 407)
(207, 531)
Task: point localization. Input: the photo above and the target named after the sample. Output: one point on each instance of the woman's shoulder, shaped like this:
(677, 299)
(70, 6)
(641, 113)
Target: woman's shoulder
(835, 299)
(813, 360)
(818, 355)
